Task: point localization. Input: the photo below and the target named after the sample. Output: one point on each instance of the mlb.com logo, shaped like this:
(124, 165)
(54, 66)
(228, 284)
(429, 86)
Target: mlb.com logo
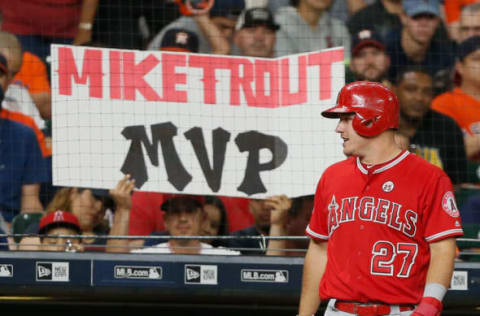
(6, 270)
(201, 274)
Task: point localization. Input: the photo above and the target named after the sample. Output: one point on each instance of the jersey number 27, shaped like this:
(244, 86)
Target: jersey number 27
(385, 253)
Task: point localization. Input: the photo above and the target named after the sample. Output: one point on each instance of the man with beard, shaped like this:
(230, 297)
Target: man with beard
(369, 60)
(255, 33)
(433, 136)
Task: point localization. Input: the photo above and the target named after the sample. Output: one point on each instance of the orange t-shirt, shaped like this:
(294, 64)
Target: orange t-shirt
(33, 74)
(28, 121)
(463, 108)
(454, 7)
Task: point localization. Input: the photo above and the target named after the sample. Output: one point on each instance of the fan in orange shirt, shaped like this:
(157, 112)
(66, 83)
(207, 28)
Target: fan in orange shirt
(33, 75)
(463, 103)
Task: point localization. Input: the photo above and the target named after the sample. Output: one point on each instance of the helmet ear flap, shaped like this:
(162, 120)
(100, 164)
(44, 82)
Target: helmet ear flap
(367, 126)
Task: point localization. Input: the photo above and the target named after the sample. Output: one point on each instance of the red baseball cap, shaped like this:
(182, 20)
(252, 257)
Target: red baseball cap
(59, 219)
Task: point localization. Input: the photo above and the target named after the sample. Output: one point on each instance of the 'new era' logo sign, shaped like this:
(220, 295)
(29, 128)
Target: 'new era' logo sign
(52, 271)
(200, 274)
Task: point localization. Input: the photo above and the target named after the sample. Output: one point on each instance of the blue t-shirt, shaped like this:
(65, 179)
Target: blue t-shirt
(21, 162)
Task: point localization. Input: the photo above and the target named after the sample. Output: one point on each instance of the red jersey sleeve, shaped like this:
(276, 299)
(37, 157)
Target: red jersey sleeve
(441, 217)
(318, 228)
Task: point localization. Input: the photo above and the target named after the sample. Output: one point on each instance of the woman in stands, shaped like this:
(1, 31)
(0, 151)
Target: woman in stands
(89, 206)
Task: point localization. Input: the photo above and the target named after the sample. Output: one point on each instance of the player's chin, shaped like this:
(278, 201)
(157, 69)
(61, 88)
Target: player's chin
(347, 151)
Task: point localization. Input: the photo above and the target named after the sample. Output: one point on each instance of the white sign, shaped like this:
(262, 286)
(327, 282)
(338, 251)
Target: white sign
(459, 281)
(193, 123)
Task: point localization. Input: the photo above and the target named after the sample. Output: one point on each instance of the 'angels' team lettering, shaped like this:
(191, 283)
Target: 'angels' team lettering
(371, 209)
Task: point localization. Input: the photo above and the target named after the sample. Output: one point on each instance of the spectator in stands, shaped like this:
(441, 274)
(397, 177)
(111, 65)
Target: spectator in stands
(146, 216)
(255, 33)
(184, 216)
(216, 223)
(22, 167)
(263, 211)
(369, 59)
(308, 26)
(33, 75)
(18, 104)
(382, 16)
(434, 136)
(41, 23)
(469, 22)
(291, 222)
(28, 101)
(89, 206)
(17, 97)
(59, 223)
(453, 15)
(223, 15)
(463, 102)
(415, 43)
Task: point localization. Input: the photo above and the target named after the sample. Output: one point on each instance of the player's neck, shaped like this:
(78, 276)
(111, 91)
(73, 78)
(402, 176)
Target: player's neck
(382, 149)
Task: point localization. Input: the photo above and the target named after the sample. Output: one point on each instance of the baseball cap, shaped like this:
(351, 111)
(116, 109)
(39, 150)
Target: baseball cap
(3, 63)
(415, 7)
(257, 16)
(467, 47)
(227, 8)
(59, 218)
(180, 40)
(366, 38)
(181, 202)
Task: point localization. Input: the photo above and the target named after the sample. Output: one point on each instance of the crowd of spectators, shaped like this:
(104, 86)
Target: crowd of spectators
(427, 51)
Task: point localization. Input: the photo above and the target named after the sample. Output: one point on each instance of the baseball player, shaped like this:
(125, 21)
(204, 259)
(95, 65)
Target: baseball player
(384, 222)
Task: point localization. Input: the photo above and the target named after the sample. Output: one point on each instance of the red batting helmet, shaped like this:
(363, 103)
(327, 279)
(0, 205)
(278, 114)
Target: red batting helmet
(375, 106)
